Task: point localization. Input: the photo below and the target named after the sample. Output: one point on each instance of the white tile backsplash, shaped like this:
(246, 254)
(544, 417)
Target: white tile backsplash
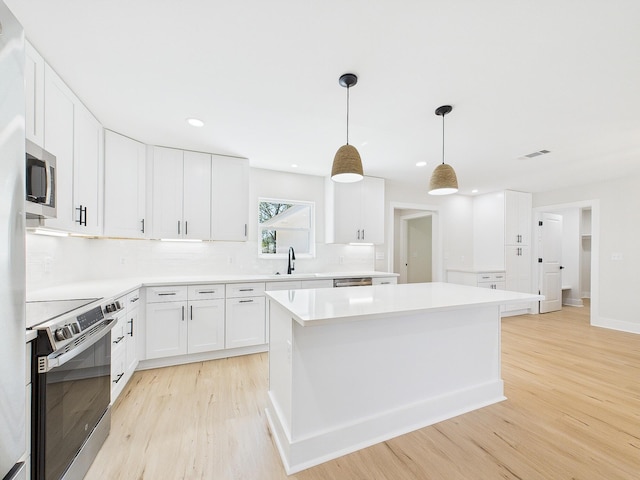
(56, 260)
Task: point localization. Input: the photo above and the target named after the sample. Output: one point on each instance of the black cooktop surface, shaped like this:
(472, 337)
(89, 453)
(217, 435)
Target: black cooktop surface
(43, 311)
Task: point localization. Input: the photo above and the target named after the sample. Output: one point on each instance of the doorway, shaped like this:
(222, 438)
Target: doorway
(415, 243)
(580, 234)
(417, 247)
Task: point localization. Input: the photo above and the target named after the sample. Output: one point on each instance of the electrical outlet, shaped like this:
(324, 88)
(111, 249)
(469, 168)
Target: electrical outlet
(616, 256)
(379, 255)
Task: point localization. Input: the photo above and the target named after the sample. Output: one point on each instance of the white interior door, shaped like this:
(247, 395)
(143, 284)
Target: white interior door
(550, 251)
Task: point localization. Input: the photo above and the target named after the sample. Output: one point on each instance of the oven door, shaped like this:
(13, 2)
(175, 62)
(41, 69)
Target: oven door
(69, 401)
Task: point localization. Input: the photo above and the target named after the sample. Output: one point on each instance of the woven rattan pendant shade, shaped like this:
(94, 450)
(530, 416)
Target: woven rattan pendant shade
(443, 179)
(347, 164)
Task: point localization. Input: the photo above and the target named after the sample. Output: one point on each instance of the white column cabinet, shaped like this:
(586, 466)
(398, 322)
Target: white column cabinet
(229, 198)
(34, 90)
(124, 191)
(181, 206)
(355, 211)
(507, 247)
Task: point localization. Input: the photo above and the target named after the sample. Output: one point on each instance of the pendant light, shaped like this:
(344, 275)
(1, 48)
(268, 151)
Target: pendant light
(347, 165)
(443, 179)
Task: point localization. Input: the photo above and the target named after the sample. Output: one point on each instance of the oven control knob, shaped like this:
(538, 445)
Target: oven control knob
(118, 305)
(63, 333)
(75, 328)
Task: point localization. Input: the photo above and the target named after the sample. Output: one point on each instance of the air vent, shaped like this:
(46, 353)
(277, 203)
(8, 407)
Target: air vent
(534, 154)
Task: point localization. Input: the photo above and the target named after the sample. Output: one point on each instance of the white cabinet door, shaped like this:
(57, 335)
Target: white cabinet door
(167, 193)
(372, 210)
(206, 325)
(196, 213)
(517, 217)
(355, 211)
(58, 139)
(34, 91)
(246, 322)
(124, 191)
(346, 212)
(131, 331)
(88, 157)
(229, 198)
(166, 328)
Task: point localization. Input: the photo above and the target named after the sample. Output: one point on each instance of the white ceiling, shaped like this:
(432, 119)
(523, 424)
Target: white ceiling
(561, 75)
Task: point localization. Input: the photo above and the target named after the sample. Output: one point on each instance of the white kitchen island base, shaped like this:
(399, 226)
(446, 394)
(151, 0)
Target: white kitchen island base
(354, 367)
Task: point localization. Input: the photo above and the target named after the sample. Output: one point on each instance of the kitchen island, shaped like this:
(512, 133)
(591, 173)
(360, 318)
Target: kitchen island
(355, 366)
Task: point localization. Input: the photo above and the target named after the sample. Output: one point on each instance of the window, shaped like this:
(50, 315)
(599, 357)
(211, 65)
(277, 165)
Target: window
(283, 224)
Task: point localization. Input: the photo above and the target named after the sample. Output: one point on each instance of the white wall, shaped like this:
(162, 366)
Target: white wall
(615, 257)
(52, 260)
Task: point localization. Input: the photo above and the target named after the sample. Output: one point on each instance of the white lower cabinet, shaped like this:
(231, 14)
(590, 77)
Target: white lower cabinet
(491, 279)
(193, 323)
(246, 323)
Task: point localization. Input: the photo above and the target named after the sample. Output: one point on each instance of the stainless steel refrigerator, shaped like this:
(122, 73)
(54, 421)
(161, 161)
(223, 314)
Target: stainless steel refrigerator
(12, 251)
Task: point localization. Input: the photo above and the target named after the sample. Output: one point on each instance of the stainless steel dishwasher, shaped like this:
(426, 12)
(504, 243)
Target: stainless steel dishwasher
(352, 282)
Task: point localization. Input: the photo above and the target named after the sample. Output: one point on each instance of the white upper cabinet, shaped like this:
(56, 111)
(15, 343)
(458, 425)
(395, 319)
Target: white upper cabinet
(229, 198)
(58, 139)
(88, 170)
(75, 137)
(34, 90)
(124, 195)
(197, 195)
(517, 208)
(355, 211)
(181, 184)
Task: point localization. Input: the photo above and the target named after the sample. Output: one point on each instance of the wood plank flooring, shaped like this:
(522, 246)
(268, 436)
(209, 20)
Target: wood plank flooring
(573, 412)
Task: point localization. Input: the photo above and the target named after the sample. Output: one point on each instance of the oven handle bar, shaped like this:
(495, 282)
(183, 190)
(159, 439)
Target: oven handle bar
(46, 364)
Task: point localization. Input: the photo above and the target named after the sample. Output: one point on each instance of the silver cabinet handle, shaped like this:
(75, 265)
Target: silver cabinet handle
(165, 294)
(130, 322)
(186, 228)
(206, 291)
(363, 233)
(190, 312)
(178, 227)
(246, 290)
(183, 313)
(245, 301)
(142, 221)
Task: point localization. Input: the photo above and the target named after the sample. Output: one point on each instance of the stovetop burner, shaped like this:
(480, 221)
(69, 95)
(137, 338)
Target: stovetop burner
(43, 311)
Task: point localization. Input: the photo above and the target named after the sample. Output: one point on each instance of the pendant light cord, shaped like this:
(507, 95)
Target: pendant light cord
(443, 138)
(347, 115)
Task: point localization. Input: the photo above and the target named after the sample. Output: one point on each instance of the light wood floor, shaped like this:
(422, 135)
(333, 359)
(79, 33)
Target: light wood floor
(573, 412)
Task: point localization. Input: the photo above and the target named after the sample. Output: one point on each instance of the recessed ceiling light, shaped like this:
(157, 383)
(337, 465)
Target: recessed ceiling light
(475, 190)
(294, 165)
(421, 164)
(195, 122)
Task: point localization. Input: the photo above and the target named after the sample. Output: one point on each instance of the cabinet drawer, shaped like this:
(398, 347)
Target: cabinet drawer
(166, 294)
(491, 277)
(384, 281)
(237, 290)
(132, 299)
(290, 285)
(206, 292)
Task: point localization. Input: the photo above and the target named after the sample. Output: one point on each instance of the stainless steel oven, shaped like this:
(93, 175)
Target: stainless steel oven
(72, 388)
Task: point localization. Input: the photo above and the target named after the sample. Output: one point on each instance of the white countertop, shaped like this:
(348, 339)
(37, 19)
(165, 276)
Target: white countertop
(116, 287)
(335, 305)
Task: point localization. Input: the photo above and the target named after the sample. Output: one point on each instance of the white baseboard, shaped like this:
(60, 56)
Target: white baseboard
(573, 302)
(612, 324)
(200, 357)
(300, 454)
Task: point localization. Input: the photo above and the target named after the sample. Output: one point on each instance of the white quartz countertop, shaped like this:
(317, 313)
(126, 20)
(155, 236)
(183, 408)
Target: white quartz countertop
(335, 305)
(109, 288)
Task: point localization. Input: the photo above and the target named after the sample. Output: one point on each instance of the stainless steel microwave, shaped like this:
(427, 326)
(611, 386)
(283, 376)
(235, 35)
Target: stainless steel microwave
(41, 182)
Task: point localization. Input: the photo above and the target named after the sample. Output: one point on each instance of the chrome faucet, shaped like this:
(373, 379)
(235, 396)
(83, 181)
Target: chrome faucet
(292, 261)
